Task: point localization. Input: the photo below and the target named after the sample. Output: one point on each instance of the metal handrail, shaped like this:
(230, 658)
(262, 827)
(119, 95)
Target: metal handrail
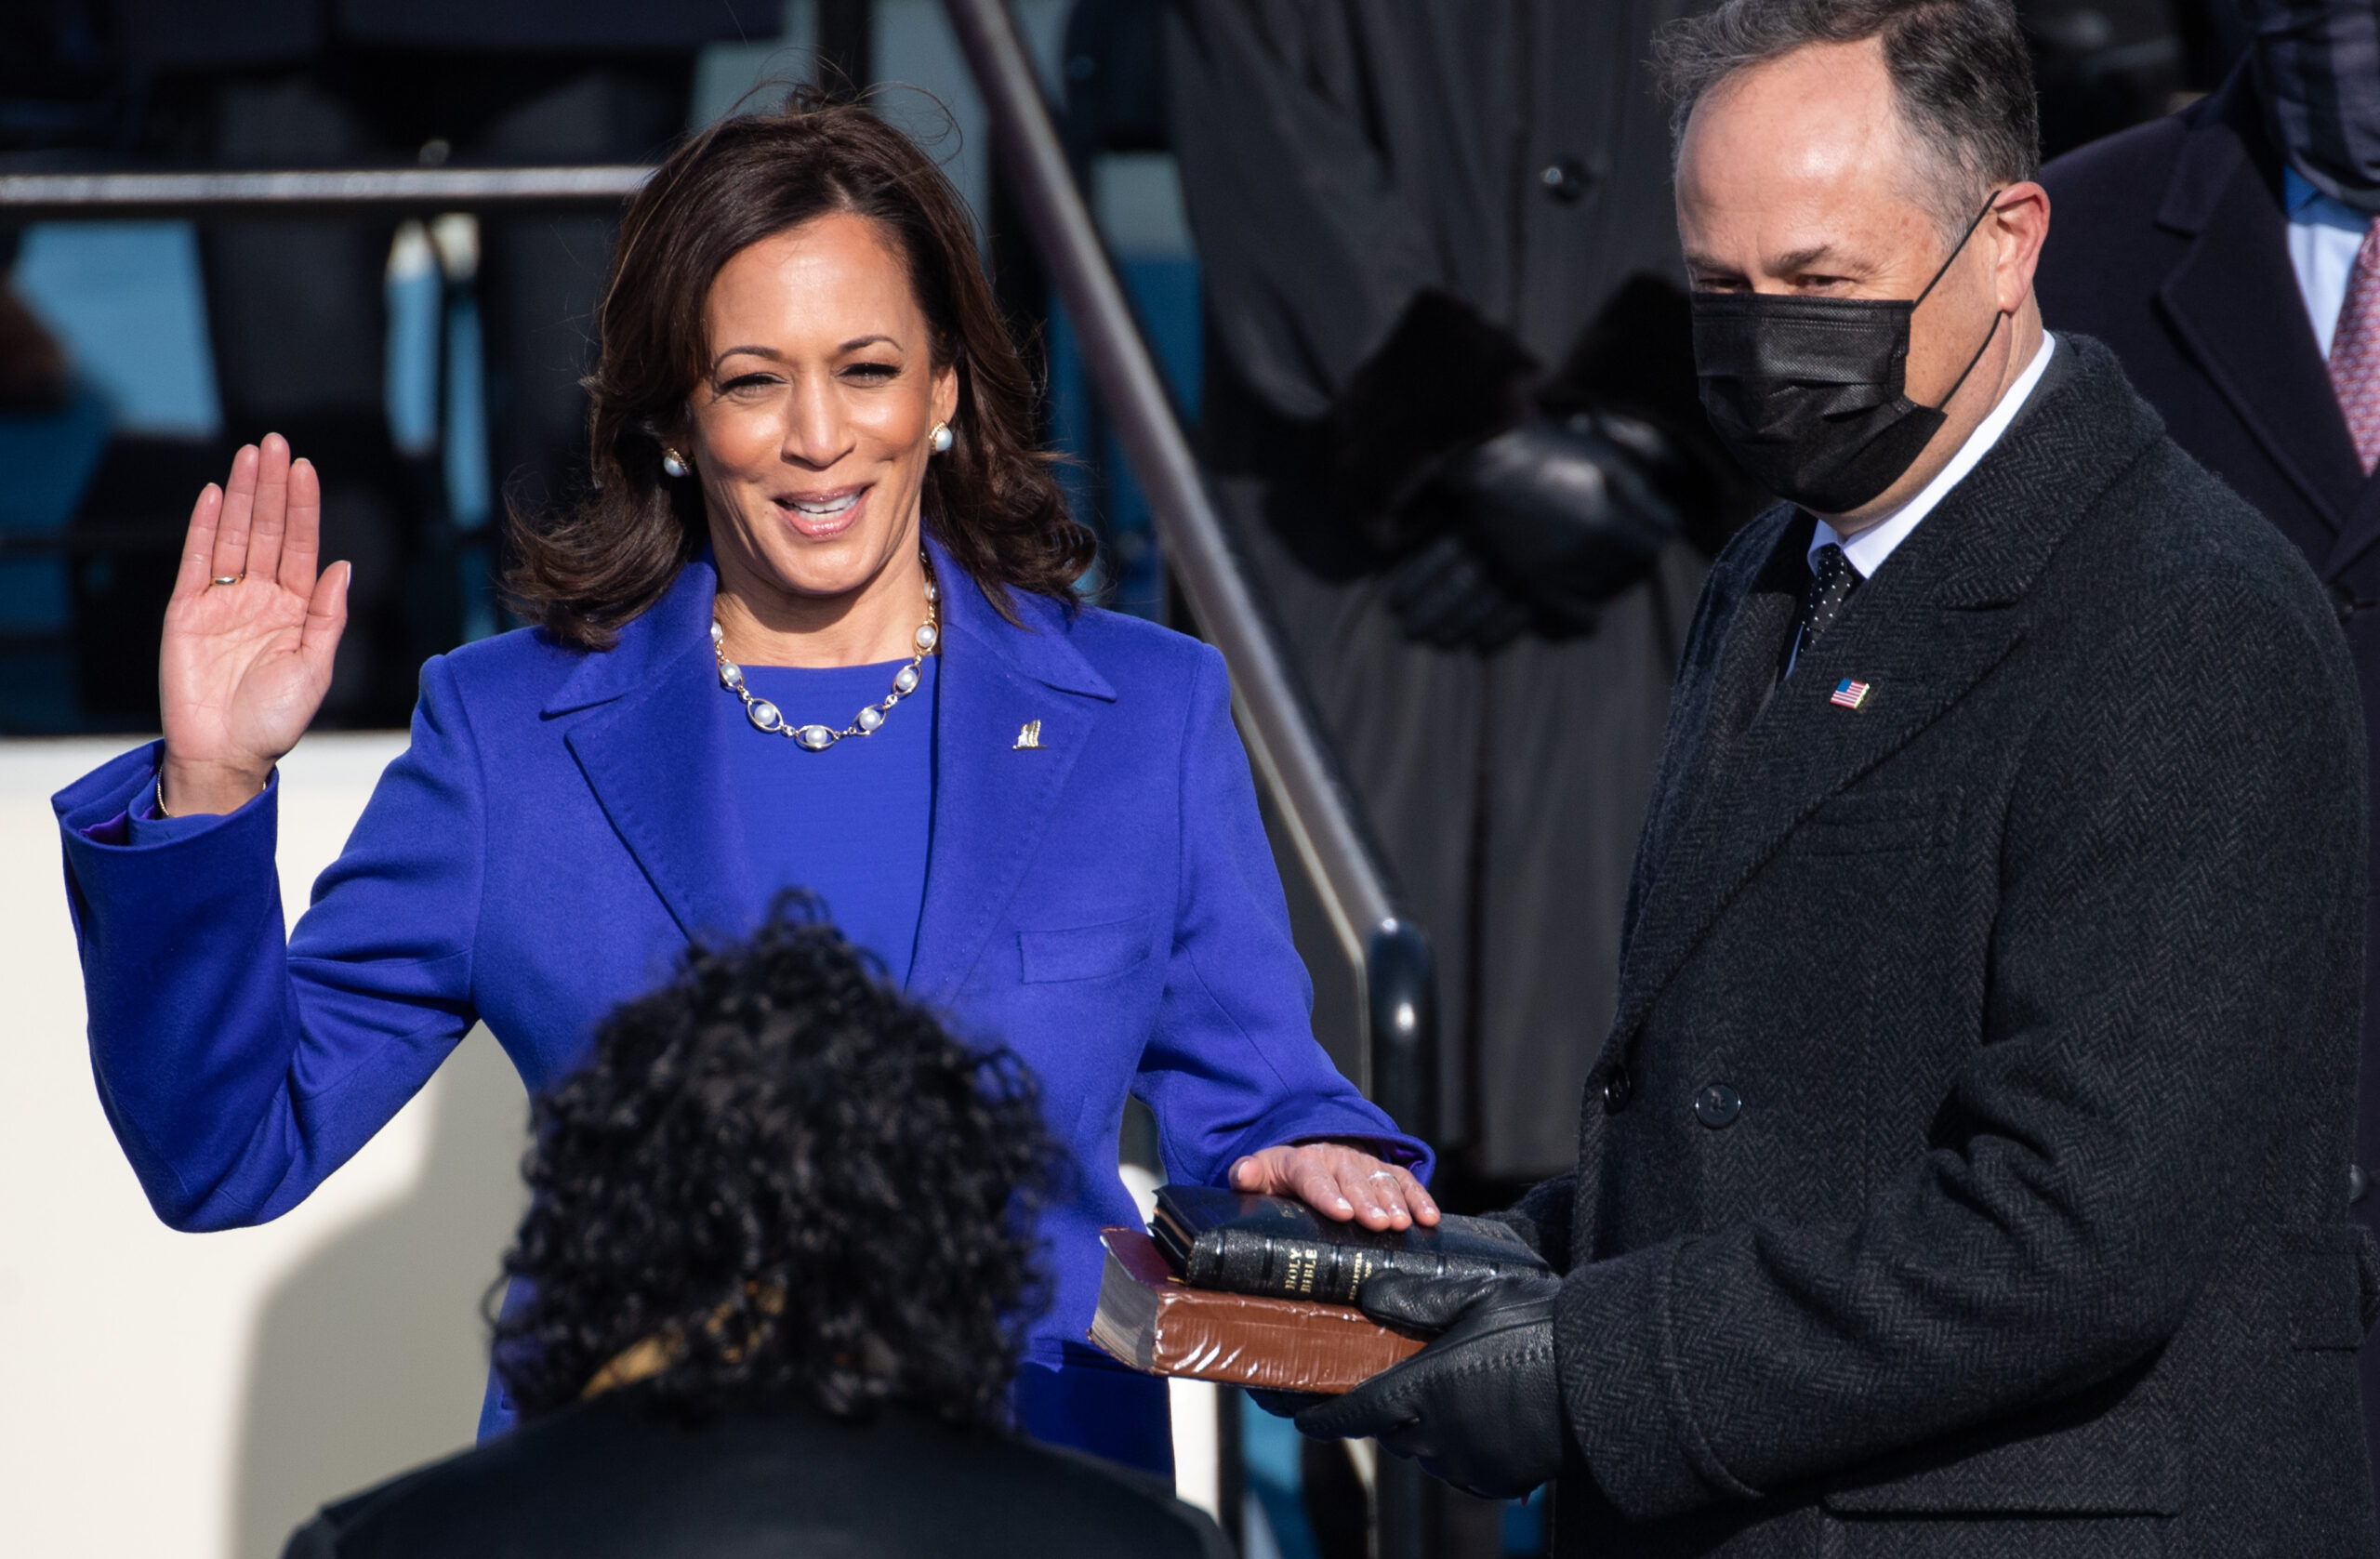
(308, 192)
(1283, 737)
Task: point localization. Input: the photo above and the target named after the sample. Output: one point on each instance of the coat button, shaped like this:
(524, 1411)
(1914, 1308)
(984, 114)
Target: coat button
(1718, 1105)
(2343, 599)
(1565, 181)
(1617, 1090)
(2358, 1183)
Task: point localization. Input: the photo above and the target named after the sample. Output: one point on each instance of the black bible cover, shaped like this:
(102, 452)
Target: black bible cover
(1271, 1245)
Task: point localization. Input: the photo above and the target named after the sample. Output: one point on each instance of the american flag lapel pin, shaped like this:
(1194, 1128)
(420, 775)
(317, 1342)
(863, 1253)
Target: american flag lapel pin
(1028, 736)
(1848, 693)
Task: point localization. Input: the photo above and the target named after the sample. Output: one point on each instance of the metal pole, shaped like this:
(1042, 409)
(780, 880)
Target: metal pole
(1298, 769)
(347, 192)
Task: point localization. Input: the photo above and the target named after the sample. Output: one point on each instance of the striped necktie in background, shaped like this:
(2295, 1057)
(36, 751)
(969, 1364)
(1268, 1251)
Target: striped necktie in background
(2355, 352)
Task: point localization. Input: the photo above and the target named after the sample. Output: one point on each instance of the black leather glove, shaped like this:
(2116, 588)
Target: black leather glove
(1511, 499)
(1566, 513)
(1447, 595)
(1479, 1407)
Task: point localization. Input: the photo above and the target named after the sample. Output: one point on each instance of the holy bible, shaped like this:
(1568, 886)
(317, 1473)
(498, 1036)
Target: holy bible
(1151, 1320)
(1271, 1245)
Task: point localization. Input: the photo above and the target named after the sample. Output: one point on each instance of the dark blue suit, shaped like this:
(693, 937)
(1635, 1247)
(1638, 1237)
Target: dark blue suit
(2169, 243)
(1105, 904)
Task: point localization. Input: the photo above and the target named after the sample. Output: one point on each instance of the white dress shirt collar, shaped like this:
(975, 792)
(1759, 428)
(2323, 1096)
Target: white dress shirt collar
(2324, 236)
(1868, 551)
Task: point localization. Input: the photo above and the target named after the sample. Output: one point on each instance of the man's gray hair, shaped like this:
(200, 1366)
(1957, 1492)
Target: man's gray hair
(1959, 68)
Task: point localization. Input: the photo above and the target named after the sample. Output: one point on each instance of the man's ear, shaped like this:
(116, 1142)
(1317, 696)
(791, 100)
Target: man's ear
(2020, 224)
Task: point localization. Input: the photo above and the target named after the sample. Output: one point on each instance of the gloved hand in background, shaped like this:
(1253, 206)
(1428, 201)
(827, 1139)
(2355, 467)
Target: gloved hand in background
(1550, 520)
(1479, 1407)
(1512, 501)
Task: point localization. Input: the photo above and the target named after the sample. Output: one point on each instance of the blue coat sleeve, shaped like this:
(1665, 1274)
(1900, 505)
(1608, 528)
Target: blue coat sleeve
(1234, 1066)
(238, 1068)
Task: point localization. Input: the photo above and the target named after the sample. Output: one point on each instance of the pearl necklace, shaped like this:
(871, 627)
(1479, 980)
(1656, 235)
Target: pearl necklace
(767, 717)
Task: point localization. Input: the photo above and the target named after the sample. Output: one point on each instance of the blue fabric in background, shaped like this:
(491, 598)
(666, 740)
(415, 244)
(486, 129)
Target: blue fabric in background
(49, 458)
(850, 824)
(126, 302)
(464, 445)
(414, 294)
(1269, 1450)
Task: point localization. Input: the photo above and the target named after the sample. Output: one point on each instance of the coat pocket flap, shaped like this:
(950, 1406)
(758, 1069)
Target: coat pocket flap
(1860, 822)
(1084, 952)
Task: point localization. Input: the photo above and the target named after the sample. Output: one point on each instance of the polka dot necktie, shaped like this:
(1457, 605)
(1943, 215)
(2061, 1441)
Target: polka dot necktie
(1831, 582)
(2355, 352)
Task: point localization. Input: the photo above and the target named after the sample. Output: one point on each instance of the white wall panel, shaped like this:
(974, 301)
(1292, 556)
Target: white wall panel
(194, 1396)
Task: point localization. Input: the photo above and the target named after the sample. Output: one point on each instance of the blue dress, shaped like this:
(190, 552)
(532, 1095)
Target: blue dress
(853, 825)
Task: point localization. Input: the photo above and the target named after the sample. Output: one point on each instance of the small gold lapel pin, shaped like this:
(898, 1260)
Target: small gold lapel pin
(1028, 735)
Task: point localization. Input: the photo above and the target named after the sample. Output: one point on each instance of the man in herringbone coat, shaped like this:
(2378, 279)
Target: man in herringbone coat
(1967, 1171)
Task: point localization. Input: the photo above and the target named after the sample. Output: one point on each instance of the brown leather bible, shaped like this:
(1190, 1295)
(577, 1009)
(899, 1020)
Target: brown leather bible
(1152, 1321)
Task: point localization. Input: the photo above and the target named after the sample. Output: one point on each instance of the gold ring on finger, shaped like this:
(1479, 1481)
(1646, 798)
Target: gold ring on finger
(229, 578)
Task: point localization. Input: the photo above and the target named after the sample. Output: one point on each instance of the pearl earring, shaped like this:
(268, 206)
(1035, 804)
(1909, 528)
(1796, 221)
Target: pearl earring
(942, 438)
(674, 463)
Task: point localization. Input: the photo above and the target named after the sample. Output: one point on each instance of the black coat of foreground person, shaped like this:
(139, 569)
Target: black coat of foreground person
(782, 1257)
(1966, 1174)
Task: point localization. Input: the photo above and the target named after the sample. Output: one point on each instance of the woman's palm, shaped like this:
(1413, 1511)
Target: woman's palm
(244, 664)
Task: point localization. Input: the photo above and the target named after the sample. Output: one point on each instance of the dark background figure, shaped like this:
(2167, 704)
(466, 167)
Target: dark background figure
(295, 310)
(779, 1234)
(2102, 66)
(294, 307)
(2227, 255)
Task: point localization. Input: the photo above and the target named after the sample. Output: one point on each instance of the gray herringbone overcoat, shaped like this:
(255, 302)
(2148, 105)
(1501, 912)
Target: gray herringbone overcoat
(1967, 1171)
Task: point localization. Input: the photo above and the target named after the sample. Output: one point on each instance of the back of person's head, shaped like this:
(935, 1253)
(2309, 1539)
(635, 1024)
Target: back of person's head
(780, 1180)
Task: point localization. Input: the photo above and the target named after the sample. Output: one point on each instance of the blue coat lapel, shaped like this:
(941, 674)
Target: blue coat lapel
(993, 799)
(654, 761)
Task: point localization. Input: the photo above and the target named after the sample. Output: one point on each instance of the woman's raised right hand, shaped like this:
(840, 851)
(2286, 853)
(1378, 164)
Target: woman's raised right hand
(245, 665)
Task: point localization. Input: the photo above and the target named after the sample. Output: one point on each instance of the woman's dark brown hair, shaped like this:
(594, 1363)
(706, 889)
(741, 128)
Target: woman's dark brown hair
(991, 501)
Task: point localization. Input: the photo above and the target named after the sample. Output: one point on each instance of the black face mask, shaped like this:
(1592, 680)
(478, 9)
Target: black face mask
(1807, 392)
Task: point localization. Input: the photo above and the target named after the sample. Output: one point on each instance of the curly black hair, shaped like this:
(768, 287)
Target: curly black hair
(779, 1178)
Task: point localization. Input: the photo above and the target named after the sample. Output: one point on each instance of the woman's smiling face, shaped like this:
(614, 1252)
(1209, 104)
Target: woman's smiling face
(809, 430)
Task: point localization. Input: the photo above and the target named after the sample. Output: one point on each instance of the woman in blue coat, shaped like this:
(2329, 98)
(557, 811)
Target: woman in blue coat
(813, 627)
